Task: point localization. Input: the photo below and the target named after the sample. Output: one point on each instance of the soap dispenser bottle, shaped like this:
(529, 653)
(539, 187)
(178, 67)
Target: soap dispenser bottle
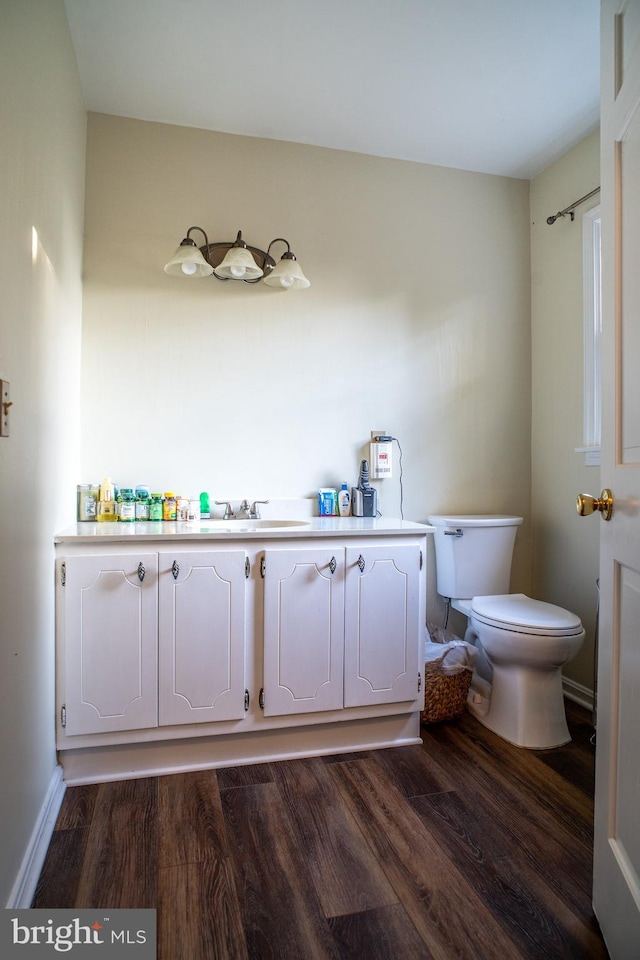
(344, 501)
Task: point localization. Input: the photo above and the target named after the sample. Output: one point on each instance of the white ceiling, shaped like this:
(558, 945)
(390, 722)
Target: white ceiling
(496, 86)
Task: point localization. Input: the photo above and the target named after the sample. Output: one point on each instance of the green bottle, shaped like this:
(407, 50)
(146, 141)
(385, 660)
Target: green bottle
(155, 507)
(127, 505)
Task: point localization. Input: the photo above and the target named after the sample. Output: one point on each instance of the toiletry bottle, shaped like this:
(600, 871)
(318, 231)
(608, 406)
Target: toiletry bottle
(205, 507)
(143, 504)
(106, 502)
(127, 505)
(344, 501)
(87, 501)
(155, 507)
(169, 506)
(143, 501)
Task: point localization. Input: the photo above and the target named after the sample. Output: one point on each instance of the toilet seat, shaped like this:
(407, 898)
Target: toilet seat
(521, 614)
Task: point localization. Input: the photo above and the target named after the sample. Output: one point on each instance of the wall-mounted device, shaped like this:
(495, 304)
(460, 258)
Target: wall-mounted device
(380, 455)
(364, 498)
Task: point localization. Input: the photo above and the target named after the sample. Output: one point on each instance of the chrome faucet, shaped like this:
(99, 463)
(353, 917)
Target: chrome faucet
(245, 512)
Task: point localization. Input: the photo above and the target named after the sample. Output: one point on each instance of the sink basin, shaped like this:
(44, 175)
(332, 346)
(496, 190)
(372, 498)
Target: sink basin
(243, 526)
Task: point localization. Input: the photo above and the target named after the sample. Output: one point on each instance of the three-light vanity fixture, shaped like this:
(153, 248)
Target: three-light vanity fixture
(236, 261)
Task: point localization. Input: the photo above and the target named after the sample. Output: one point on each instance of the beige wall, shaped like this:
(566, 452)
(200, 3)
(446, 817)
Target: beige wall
(565, 547)
(416, 322)
(42, 123)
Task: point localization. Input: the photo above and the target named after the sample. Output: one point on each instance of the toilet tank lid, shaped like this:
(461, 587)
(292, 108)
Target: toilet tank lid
(474, 520)
(531, 616)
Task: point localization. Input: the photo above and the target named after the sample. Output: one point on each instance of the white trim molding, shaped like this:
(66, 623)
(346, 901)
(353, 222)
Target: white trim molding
(579, 694)
(26, 881)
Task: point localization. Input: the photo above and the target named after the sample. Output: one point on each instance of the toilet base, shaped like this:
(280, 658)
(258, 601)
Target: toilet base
(524, 707)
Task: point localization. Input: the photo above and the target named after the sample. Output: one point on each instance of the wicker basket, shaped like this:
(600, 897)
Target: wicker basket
(445, 696)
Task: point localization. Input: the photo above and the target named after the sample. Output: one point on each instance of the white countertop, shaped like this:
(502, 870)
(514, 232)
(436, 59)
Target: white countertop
(313, 527)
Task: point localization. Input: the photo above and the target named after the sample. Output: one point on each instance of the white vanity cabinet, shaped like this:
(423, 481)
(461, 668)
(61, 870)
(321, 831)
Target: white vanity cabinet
(153, 639)
(201, 636)
(341, 627)
(109, 664)
(303, 630)
(179, 650)
(383, 618)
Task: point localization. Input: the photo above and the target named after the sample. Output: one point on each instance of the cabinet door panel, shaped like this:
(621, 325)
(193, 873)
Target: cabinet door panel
(110, 656)
(201, 636)
(303, 630)
(382, 624)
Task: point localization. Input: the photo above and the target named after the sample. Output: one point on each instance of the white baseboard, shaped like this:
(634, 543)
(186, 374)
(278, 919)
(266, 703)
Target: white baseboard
(128, 761)
(579, 694)
(25, 884)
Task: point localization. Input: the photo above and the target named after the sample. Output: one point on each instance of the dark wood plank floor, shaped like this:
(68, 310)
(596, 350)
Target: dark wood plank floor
(464, 847)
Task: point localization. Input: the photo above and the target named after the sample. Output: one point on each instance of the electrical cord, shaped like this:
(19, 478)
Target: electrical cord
(395, 439)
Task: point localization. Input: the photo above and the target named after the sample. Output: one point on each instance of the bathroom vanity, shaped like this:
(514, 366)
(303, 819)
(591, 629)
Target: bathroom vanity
(193, 645)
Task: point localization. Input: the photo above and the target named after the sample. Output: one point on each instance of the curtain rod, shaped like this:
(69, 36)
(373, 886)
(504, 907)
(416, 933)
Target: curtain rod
(569, 209)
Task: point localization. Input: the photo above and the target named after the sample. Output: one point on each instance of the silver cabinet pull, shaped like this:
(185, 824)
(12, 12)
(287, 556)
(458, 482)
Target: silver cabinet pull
(360, 562)
(141, 571)
(175, 569)
(332, 564)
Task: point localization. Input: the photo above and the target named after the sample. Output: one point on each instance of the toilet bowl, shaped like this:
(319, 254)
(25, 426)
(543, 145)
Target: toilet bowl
(516, 689)
(526, 642)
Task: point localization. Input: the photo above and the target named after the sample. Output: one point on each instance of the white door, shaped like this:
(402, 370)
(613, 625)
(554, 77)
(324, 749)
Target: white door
(201, 638)
(303, 630)
(110, 643)
(616, 888)
(382, 624)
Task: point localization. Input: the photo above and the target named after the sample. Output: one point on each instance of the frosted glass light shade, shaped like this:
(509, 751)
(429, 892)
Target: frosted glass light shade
(187, 261)
(287, 274)
(239, 264)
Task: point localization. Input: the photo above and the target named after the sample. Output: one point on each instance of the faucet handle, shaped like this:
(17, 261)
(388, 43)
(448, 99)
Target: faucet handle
(254, 512)
(228, 511)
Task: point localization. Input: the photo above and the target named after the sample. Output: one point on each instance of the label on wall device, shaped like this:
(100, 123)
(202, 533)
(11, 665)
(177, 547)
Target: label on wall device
(381, 459)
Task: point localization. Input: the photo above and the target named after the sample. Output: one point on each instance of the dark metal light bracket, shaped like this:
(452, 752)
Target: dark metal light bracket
(214, 254)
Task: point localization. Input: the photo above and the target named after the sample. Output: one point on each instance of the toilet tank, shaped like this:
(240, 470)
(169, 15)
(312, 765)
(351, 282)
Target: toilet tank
(473, 554)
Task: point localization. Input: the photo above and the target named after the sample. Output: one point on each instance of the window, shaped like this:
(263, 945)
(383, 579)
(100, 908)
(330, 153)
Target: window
(592, 306)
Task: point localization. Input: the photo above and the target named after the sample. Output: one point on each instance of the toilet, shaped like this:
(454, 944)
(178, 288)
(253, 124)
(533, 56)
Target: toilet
(516, 689)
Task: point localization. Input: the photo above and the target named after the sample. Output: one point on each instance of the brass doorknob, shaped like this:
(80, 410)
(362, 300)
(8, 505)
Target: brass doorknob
(586, 504)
